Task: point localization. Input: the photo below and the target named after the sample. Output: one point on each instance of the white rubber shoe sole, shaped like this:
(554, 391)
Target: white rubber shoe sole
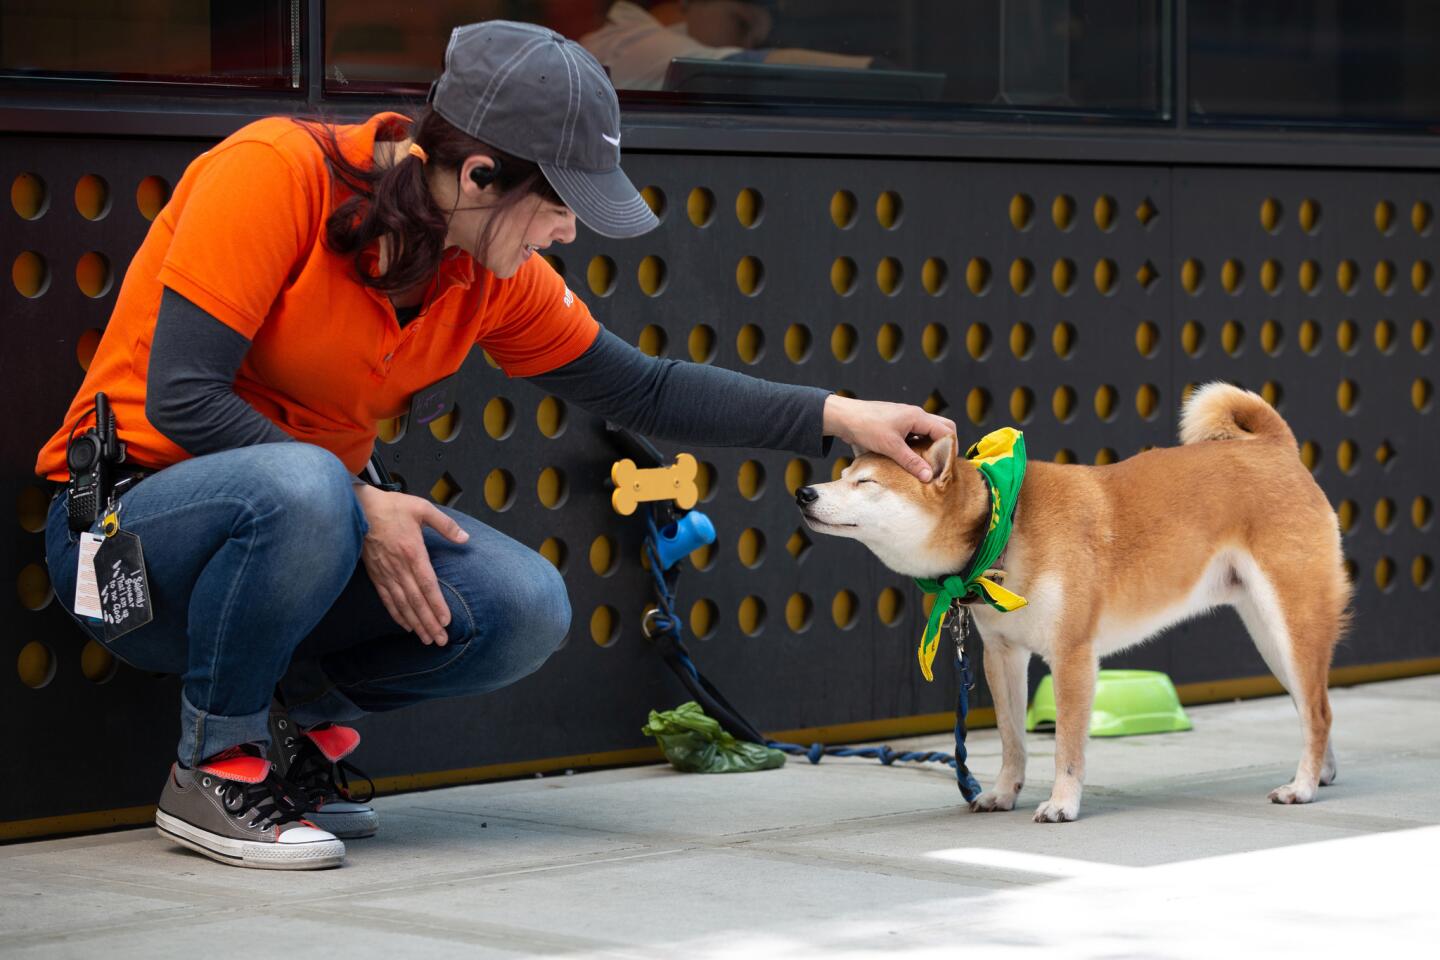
(299, 852)
(345, 824)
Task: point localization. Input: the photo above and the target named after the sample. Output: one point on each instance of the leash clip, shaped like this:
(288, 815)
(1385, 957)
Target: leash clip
(959, 623)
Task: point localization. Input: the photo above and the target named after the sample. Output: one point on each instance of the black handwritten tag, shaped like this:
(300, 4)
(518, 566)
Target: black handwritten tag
(124, 591)
(432, 402)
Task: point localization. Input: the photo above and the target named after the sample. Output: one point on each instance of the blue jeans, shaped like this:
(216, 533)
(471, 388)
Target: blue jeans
(255, 580)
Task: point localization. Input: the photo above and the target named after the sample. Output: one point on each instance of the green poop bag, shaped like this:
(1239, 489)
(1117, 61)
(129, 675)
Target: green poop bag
(696, 743)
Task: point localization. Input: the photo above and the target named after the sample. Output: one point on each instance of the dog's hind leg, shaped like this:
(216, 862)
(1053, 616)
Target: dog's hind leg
(1073, 668)
(1005, 670)
(1296, 636)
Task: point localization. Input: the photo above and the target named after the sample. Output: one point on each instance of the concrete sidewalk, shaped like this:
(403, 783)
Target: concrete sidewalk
(1177, 854)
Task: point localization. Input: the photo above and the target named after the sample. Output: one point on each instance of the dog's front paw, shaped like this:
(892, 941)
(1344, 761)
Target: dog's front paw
(993, 802)
(1052, 811)
(1292, 793)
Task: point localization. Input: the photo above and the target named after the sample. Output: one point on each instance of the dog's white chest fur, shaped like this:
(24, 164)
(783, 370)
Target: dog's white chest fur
(1035, 625)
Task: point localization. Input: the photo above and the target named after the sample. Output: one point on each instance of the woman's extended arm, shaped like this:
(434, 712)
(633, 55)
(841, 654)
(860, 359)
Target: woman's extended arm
(699, 403)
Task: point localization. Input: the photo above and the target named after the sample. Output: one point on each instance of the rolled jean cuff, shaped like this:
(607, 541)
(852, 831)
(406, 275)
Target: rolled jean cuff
(202, 735)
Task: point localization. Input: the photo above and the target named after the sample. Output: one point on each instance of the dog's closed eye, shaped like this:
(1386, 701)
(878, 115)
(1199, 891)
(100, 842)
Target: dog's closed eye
(864, 480)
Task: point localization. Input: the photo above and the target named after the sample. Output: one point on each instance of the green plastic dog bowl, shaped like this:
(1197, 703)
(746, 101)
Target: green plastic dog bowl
(1127, 702)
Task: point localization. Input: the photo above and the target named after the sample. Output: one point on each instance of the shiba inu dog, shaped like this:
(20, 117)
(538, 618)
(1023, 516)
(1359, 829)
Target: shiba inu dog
(1109, 556)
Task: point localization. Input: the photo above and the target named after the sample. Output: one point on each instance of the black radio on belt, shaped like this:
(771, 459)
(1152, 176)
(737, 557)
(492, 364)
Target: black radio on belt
(92, 458)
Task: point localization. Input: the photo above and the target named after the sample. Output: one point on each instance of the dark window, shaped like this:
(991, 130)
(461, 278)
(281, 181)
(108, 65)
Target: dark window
(1373, 62)
(246, 43)
(922, 57)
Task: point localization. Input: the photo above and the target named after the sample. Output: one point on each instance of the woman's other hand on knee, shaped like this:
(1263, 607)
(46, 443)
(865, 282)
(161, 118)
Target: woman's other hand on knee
(395, 557)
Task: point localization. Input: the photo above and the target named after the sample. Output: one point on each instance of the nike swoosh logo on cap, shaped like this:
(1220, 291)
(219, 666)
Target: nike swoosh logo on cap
(609, 139)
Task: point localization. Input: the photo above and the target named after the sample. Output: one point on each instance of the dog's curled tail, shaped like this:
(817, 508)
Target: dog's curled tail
(1221, 411)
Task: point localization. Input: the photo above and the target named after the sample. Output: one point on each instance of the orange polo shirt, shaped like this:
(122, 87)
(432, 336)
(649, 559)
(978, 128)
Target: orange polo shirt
(243, 238)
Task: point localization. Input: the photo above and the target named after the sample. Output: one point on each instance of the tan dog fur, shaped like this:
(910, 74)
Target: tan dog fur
(1108, 556)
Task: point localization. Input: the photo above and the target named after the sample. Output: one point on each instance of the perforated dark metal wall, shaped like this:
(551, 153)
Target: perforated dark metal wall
(1076, 300)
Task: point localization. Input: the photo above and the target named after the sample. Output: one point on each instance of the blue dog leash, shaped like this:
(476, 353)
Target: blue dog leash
(960, 629)
(664, 627)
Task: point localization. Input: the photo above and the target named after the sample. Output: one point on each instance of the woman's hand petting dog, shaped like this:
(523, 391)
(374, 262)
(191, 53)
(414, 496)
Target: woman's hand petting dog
(394, 555)
(878, 427)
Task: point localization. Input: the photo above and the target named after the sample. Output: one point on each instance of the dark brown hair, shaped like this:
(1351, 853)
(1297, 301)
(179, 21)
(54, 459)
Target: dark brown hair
(395, 201)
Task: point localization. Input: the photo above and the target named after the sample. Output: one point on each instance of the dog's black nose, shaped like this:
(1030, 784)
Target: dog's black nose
(806, 495)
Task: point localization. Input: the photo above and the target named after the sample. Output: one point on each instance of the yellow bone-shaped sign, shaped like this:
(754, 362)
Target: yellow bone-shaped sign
(634, 486)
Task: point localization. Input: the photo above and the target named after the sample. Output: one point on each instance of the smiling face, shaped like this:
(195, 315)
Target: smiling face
(879, 503)
(499, 231)
(532, 224)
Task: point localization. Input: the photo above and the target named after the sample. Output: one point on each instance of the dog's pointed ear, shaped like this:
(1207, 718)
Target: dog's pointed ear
(857, 450)
(941, 457)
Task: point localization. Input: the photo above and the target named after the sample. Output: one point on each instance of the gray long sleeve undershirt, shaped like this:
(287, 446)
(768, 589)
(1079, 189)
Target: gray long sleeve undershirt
(190, 386)
(190, 393)
(690, 402)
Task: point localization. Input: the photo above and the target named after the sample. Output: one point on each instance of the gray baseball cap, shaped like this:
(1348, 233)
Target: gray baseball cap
(533, 93)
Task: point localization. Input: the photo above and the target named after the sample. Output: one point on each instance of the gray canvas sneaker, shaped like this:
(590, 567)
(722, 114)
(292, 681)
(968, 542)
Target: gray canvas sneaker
(313, 761)
(235, 809)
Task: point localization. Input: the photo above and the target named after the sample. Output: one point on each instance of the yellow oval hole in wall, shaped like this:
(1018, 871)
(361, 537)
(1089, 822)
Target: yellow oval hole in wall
(1192, 338)
(750, 275)
(1271, 214)
(751, 615)
(751, 547)
(700, 206)
(1062, 211)
(889, 606)
(29, 197)
(704, 615)
(977, 275)
(1147, 339)
(1272, 336)
(977, 404)
(749, 207)
(1105, 212)
(1062, 339)
(1022, 208)
(92, 197)
(842, 209)
(605, 626)
(651, 275)
(934, 276)
(600, 275)
(701, 343)
(151, 196)
(1192, 275)
(977, 341)
(889, 209)
(1062, 276)
(499, 490)
(889, 342)
(888, 275)
(750, 343)
(499, 418)
(551, 488)
(1062, 403)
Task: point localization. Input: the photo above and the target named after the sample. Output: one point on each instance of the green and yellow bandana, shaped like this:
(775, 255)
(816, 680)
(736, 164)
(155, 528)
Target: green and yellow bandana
(1000, 458)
